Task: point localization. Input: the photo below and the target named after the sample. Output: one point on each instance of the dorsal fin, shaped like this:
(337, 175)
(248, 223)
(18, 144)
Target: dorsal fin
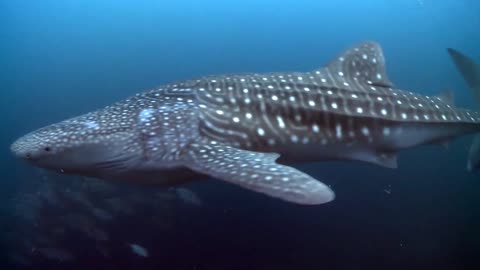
(364, 62)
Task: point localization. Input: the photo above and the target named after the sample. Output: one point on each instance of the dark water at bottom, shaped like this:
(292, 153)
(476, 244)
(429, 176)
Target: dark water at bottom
(424, 215)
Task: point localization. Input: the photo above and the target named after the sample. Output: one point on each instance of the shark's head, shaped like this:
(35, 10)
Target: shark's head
(83, 145)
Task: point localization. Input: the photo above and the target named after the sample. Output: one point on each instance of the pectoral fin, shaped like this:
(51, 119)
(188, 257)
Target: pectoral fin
(256, 171)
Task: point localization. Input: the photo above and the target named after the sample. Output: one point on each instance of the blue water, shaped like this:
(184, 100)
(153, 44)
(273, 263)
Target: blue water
(63, 58)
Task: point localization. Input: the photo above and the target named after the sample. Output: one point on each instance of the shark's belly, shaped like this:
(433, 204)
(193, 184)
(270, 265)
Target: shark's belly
(374, 142)
(407, 135)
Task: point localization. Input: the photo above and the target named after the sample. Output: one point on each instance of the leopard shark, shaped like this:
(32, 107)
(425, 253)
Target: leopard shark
(250, 129)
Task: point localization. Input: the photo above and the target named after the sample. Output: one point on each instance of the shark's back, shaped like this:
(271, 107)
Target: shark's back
(350, 100)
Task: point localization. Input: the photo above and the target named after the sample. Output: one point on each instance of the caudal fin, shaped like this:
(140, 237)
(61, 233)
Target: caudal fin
(470, 72)
(474, 154)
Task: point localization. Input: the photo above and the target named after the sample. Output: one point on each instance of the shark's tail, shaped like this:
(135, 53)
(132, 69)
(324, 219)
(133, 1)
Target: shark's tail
(470, 72)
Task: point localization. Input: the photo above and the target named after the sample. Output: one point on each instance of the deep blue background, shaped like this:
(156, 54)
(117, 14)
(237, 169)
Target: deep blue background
(63, 58)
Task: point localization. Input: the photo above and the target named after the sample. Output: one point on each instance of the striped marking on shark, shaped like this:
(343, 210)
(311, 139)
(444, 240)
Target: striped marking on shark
(247, 129)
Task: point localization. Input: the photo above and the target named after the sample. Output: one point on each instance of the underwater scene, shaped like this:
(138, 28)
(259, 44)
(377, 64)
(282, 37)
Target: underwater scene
(211, 135)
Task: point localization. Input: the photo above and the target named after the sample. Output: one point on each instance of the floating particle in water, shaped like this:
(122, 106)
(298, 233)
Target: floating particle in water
(139, 250)
(188, 196)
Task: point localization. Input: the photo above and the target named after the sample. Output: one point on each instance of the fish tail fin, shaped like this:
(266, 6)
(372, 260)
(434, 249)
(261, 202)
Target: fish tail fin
(470, 72)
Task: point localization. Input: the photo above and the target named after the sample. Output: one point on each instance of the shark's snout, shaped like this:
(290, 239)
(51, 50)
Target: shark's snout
(31, 147)
(71, 146)
(19, 151)
(28, 148)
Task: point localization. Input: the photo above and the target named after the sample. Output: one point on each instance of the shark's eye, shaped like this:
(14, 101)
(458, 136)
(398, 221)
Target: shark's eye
(47, 149)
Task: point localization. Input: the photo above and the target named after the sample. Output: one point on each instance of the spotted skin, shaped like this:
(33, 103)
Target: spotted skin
(246, 129)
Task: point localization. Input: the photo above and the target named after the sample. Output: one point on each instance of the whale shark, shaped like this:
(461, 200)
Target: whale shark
(249, 129)
(470, 72)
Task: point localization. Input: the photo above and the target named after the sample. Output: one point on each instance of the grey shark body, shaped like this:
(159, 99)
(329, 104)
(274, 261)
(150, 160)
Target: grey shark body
(470, 72)
(247, 129)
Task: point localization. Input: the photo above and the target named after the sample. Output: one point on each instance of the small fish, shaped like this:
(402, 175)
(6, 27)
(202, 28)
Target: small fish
(19, 259)
(85, 225)
(101, 214)
(188, 196)
(103, 250)
(98, 187)
(139, 250)
(58, 231)
(119, 206)
(80, 198)
(57, 254)
(164, 196)
(98, 234)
